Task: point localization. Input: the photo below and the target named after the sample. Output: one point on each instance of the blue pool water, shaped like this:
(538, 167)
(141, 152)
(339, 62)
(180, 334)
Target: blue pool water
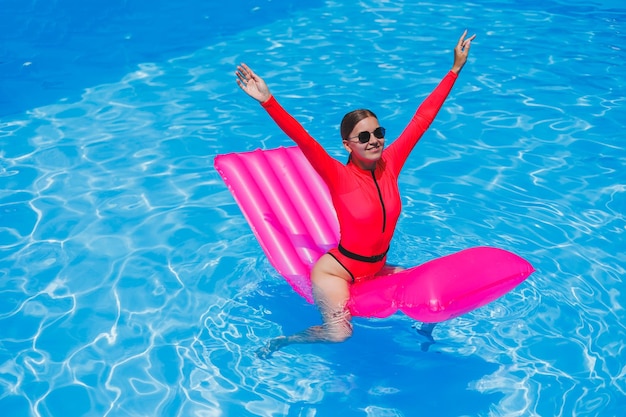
(131, 285)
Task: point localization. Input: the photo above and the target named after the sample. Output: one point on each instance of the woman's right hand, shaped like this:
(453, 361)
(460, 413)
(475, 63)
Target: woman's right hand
(252, 84)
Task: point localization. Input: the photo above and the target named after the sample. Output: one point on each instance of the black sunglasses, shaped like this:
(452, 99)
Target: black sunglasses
(364, 137)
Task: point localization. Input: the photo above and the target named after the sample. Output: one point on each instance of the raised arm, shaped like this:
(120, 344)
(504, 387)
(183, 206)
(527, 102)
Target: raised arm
(253, 85)
(400, 149)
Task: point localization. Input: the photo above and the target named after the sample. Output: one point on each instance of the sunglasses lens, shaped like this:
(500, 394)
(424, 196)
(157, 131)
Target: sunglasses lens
(379, 132)
(364, 137)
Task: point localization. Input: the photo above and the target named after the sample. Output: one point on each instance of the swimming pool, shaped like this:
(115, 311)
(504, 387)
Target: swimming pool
(131, 284)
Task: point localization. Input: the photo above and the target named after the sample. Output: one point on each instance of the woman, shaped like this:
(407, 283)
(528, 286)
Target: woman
(364, 193)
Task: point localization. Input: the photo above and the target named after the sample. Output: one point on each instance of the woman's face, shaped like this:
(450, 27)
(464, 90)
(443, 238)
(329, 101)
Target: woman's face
(365, 155)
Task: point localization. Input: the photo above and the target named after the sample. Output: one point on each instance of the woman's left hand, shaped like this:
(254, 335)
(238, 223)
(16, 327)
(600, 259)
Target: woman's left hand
(461, 51)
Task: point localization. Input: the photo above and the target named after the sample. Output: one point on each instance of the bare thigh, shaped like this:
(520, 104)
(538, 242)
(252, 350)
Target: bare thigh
(331, 289)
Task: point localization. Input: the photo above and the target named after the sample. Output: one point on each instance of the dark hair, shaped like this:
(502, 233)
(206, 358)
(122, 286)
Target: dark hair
(351, 119)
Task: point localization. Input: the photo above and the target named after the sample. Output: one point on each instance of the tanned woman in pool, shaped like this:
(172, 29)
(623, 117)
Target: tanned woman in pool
(364, 192)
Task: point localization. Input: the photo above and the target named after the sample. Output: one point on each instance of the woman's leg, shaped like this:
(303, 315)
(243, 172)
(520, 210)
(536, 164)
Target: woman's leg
(331, 290)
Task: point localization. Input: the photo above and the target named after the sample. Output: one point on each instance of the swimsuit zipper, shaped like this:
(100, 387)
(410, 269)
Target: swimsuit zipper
(382, 203)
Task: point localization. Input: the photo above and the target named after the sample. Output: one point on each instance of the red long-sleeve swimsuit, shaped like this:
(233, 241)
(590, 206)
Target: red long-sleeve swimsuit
(367, 202)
